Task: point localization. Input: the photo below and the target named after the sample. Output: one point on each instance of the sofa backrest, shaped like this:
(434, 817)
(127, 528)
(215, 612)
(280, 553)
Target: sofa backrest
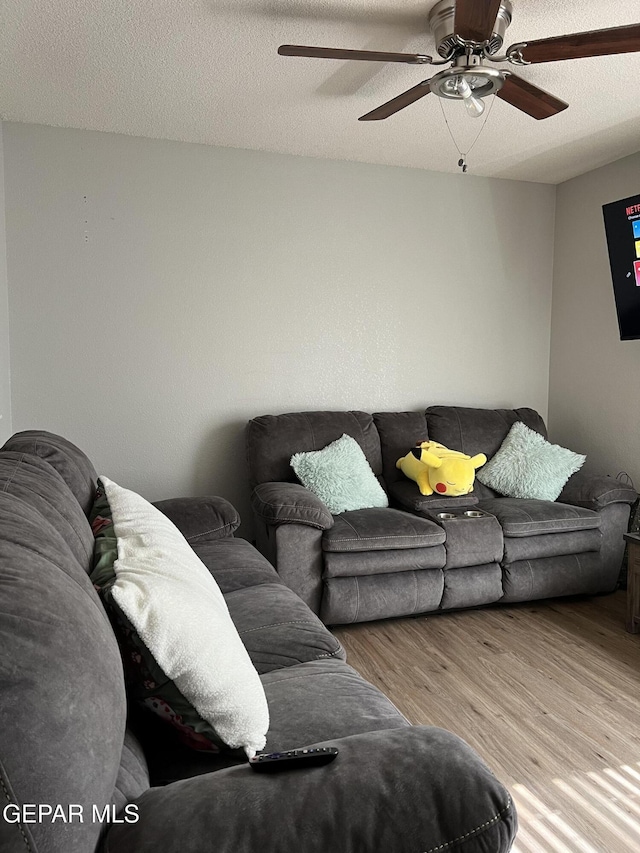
(273, 439)
(399, 432)
(478, 430)
(62, 695)
(75, 468)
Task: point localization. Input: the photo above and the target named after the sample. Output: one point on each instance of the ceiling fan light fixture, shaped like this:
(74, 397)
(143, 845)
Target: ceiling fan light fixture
(468, 83)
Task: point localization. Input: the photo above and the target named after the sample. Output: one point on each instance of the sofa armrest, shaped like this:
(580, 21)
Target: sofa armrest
(290, 503)
(201, 519)
(413, 788)
(596, 491)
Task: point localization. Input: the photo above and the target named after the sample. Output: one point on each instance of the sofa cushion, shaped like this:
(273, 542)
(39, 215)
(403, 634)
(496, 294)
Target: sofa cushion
(235, 564)
(133, 775)
(324, 699)
(528, 466)
(175, 624)
(38, 484)
(340, 476)
(347, 564)
(415, 790)
(520, 517)
(63, 708)
(380, 530)
(273, 439)
(278, 629)
(69, 461)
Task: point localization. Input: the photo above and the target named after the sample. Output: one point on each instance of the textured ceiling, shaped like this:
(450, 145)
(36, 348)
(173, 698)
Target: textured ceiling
(207, 71)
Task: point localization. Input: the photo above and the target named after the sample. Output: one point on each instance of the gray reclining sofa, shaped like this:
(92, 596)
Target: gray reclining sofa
(67, 743)
(381, 562)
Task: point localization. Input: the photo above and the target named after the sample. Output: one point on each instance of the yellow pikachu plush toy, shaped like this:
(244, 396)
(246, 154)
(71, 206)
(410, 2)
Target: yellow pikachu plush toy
(435, 468)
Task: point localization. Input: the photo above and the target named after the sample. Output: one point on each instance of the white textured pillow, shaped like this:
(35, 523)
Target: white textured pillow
(528, 466)
(179, 612)
(340, 476)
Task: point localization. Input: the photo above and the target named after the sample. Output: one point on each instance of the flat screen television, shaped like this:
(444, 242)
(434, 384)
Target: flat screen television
(622, 227)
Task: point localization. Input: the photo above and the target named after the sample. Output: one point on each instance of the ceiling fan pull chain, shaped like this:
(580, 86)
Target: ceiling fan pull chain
(462, 162)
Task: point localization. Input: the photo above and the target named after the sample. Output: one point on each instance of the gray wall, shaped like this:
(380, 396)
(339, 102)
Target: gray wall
(5, 385)
(594, 395)
(163, 293)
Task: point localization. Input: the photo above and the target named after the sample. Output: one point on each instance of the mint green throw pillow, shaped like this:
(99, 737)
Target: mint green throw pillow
(340, 476)
(528, 466)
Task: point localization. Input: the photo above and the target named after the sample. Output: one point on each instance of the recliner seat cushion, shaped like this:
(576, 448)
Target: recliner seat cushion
(521, 517)
(380, 529)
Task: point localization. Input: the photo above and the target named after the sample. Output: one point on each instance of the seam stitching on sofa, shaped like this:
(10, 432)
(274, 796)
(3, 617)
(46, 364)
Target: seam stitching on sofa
(392, 536)
(530, 593)
(557, 522)
(317, 510)
(361, 681)
(277, 625)
(348, 523)
(289, 506)
(329, 654)
(313, 437)
(10, 480)
(355, 619)
(460, 430)
(22, 832)
(471, 832)
(604, 494)
(207, 532)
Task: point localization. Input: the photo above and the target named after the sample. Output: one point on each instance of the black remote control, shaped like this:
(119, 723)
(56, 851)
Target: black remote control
(273, 762)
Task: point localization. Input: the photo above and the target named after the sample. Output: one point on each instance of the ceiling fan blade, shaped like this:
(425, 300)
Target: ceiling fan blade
(340, 53)
(474, 19)
(579, 45)
(530, 99)
(398, 103)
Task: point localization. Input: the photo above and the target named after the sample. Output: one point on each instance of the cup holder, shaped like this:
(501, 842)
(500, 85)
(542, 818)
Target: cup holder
(473, 513)
(446, 515)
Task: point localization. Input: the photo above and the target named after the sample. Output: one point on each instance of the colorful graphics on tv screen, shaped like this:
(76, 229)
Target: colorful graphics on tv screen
(622, 226)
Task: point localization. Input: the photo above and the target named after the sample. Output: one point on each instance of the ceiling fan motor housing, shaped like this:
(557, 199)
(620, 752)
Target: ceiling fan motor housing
(442, 24)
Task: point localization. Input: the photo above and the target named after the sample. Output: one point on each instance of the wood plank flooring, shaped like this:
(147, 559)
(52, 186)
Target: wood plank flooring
(548, 693)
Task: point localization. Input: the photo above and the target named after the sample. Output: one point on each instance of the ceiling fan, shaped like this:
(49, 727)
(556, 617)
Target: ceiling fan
(468, 34)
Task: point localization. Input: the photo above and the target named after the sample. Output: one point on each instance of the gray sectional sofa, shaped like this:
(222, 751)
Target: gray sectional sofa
(69, 744)
(381, 562)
